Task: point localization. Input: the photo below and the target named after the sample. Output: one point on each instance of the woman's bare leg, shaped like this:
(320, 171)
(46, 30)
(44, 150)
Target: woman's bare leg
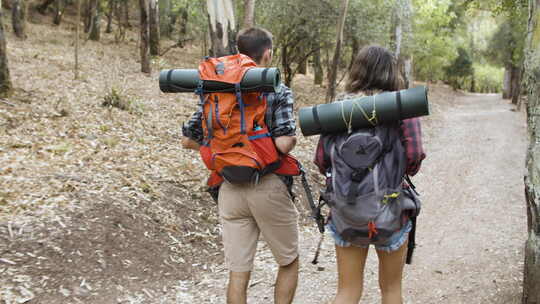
(391, 273)
(351, 262)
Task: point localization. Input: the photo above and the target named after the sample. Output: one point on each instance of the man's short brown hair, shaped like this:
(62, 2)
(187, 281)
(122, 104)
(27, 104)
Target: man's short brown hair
(254, 42)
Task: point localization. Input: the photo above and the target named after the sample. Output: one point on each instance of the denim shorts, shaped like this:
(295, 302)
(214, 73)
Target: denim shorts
(396, 241)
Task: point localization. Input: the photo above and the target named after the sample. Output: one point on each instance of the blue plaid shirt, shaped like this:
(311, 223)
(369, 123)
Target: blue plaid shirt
(280, 115)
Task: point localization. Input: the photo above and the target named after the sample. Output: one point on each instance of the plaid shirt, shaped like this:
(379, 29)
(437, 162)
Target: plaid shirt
(279, 115)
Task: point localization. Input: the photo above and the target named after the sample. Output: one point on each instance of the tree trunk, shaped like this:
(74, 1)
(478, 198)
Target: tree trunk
(184, 21)
(165, 18)
(154, 27)
(125, 11)
(42, 9)
(287, 70)
(110, 14)
(515, 84)
(303, 65)
(249, 12)
(531, 279)
(331, 93)
(77, 33)
(95, 28)
(222, 27)
(5, 79)
(403, 40)
(145, 37)
(317, 66)
(58, 11)
(506, 82)
(18, 18)
(355, 48)
(6, 4)
(87, 15)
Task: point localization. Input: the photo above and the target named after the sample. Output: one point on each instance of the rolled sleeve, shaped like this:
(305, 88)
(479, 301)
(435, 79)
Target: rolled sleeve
(412, 141)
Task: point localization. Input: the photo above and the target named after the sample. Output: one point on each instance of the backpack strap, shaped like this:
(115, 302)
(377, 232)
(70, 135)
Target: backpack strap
(268, 116)
(242, 108)
(199, 92)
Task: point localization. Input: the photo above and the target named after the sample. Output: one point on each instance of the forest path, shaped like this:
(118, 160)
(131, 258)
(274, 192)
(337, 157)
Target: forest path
(471, 231)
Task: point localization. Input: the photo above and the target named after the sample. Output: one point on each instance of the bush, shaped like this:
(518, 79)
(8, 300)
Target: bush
(489, 79)
(116, 99)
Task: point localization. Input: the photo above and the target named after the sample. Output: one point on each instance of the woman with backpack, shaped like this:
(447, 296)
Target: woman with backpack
(365, 171)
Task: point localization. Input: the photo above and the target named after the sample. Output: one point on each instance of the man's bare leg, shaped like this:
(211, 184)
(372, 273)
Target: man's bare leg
(237, 289)
(286, 282)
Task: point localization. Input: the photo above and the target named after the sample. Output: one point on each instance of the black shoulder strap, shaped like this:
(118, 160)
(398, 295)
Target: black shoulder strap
(268, 118)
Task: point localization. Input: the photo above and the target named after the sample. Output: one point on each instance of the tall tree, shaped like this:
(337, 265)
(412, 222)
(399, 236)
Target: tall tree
(77, 34)
(145, 37)
(222, 27)
(18, 18)
(5, 79)
(331, 92)
(59, 11)
(125, 13)
(531, 281)
(95, 21)
(403, 40)
(110, 14)
(42, 8)
(249, 13)
(154, 27)
(165, 8)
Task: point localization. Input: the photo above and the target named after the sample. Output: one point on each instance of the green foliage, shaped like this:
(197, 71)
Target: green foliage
(488, 78)
(460, 69)
(369, 22)
(434, 43)
(507, 44)
(309, 25)
(510, 8)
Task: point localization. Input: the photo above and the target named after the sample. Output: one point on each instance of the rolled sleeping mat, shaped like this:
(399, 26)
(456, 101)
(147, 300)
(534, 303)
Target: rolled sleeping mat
(187, 80)
(381, 108)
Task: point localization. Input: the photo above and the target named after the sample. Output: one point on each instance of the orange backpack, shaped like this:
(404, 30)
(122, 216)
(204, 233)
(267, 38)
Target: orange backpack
(237, 144)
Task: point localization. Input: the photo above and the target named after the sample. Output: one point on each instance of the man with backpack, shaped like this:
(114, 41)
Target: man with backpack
(244, 139)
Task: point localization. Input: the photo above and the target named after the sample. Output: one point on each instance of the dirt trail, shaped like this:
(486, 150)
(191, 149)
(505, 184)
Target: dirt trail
(471, 231)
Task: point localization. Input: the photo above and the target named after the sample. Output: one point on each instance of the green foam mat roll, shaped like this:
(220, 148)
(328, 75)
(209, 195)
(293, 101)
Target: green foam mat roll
(187, 80)
(364, 112)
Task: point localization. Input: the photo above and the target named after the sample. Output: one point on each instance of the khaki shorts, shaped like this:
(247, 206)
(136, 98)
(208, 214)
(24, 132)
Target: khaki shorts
(247, 211)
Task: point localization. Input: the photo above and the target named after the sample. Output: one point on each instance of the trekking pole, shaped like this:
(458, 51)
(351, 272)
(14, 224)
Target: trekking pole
(318, 251)
(412, 242)
(315, 211)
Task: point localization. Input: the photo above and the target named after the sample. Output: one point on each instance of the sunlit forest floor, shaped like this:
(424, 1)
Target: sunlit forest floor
(99, 204)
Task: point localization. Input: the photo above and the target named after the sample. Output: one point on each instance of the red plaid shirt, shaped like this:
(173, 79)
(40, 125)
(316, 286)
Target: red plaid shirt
(411, 136)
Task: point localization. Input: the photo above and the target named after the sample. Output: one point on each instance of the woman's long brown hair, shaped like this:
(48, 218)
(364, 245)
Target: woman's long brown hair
(374, 69)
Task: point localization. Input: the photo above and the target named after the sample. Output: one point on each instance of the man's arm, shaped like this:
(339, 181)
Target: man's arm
(285, 144)
(190, 144)
(283, 122)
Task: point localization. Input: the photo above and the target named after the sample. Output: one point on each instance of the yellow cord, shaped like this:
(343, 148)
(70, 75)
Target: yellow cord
(373, 120)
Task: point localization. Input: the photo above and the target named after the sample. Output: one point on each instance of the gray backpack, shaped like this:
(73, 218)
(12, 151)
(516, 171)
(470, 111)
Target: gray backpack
(364, 190)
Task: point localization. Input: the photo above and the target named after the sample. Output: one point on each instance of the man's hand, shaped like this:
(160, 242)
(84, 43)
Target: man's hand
(188, 143)
(285, 144)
